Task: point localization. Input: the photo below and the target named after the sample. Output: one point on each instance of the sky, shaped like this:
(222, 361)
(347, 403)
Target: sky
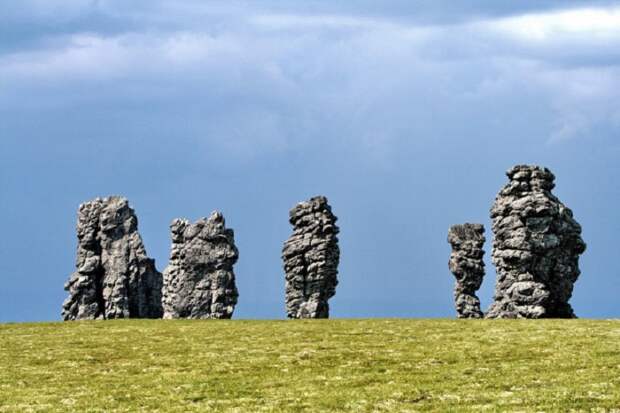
(405, 114)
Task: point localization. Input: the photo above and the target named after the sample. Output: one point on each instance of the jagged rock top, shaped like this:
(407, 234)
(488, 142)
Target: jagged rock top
(316, 213)
(529, 184)
(461, 236)
(207, 229)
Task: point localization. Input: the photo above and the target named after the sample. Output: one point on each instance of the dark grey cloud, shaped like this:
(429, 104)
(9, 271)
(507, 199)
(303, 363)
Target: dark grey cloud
(324, 64)
(23, 23)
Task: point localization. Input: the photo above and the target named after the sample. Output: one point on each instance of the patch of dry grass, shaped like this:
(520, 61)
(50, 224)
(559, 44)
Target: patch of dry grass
(316, 365)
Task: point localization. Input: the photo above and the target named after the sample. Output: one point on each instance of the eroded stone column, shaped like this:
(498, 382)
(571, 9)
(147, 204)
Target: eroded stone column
(536, 248)
(199, 281)
(467, 265)
(114, 278)
(311, 256)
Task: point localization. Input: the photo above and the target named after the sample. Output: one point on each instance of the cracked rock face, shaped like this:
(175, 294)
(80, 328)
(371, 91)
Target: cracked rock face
(467, 241)
(311, 256)
(114, 277)
(199, 281)
(536, 248)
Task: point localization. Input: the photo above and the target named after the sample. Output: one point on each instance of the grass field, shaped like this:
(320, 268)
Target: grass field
(317, 365)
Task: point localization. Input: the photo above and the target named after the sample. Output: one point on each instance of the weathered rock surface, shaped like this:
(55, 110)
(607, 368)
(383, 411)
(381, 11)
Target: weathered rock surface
(467, 265)
(536, 248)
(114, 278)
(199, 281)
(311, 256)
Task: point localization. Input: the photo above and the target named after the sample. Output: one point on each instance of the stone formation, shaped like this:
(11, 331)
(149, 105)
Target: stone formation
(467, 266)
(199, 281)
(114, 277)
(311, 256)
(536, 248)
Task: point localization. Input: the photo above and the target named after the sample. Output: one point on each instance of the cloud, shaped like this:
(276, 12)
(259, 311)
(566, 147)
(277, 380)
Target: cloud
(602, 23)
(271, 81)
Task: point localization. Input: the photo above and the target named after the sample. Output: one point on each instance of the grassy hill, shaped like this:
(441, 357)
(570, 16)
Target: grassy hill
(317, 365)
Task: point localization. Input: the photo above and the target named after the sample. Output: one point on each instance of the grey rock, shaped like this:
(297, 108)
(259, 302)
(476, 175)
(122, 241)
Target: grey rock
(311, 256)
(114, 278)
(467, 265)
(536, 248)
(199, 281)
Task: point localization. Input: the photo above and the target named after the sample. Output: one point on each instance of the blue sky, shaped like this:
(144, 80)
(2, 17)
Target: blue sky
(405, 114)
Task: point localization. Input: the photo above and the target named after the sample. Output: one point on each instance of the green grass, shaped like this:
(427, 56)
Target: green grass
(308, 366)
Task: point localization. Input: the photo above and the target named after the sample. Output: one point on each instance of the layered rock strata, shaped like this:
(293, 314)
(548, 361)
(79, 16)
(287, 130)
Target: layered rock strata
(536, 248)
(114, 277)
(467, 241)
(199, 281)
(311, 256)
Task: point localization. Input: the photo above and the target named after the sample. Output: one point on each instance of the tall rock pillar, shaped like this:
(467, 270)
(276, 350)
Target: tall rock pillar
(536, 248)
(114, 277)
(467, 266)
(199, 281)
(311, 256)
